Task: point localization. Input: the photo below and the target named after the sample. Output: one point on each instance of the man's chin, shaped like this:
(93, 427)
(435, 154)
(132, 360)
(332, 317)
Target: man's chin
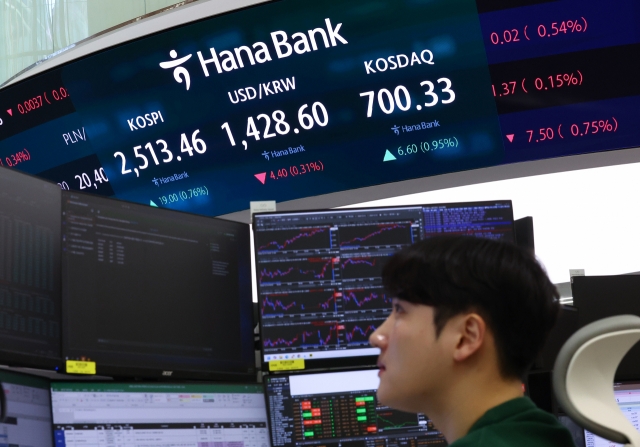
(382, 394)
(386, 396)
(392, 400)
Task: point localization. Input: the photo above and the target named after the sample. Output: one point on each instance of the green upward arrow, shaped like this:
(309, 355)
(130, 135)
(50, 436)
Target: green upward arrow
(152, 203)
(388, 156)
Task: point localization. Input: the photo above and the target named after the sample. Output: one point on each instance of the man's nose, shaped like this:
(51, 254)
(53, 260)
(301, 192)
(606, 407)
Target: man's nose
(378, 339)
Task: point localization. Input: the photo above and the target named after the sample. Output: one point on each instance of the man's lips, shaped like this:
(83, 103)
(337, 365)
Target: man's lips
(381, 366)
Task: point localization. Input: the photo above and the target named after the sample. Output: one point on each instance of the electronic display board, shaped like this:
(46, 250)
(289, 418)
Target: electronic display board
(293, 98)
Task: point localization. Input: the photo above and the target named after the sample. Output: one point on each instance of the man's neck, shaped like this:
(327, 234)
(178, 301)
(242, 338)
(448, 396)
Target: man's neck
(455, 411)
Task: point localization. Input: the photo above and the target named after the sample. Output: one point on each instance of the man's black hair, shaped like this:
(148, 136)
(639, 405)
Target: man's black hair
(504, 284)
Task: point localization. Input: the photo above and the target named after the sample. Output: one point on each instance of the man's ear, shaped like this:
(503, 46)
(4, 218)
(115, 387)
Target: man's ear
(471, 336)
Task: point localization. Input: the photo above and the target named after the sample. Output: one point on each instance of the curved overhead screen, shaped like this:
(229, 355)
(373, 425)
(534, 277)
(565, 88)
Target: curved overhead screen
(293, 98)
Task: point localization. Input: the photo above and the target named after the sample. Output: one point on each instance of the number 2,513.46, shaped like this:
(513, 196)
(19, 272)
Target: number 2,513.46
(196, 144)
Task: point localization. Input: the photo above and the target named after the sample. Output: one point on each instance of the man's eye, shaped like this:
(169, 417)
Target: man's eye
(397, 308)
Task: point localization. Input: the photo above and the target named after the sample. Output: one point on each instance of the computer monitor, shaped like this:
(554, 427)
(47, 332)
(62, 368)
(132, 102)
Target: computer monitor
(577, 432)
(149, 292)
(320, 290)
(28, 419)
(29, 270)
(566, 326)
(157, 414)
(340, 409)
(598, 297)
(525, 237)
(628, 397)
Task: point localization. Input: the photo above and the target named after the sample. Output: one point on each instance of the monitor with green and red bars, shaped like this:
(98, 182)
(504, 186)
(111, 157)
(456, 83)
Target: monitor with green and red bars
(340, 409)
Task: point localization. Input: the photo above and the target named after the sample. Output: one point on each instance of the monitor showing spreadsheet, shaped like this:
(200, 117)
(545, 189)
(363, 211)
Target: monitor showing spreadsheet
(158, 415)
(628, 397)
(28, 419)
(340, 409)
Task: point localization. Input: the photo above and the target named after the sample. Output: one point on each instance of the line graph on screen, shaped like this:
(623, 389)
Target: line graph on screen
(301, 270)
(358, 332)
(305, 336)
(389, 419)
(308, 301)
(365, 299)
(362, 267)
(281, 241)
(354, 237)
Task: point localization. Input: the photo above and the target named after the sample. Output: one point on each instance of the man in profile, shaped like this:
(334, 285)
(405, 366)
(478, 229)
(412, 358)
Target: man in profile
(469, 317)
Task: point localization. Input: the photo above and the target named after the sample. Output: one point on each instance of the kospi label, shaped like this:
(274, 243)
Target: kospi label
(146, 120)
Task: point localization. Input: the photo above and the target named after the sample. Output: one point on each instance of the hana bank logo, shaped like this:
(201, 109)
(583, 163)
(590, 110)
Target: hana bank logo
(179, 73)
(258, 52)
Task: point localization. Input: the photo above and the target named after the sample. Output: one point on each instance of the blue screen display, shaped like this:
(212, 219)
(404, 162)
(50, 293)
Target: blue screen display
(292, 99)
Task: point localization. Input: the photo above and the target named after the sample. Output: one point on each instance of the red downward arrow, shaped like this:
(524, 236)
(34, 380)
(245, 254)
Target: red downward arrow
(510, 138)
(10, 112)
(262, 177)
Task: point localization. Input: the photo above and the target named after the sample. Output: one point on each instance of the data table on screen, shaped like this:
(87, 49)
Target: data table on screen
(27, 422)
(339, 409)
(628, 398)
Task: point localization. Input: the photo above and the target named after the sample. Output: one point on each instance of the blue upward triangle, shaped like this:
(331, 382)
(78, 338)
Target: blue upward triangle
(388, 156)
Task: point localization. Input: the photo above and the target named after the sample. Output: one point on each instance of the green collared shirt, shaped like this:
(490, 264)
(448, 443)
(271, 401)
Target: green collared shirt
(516, 423)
